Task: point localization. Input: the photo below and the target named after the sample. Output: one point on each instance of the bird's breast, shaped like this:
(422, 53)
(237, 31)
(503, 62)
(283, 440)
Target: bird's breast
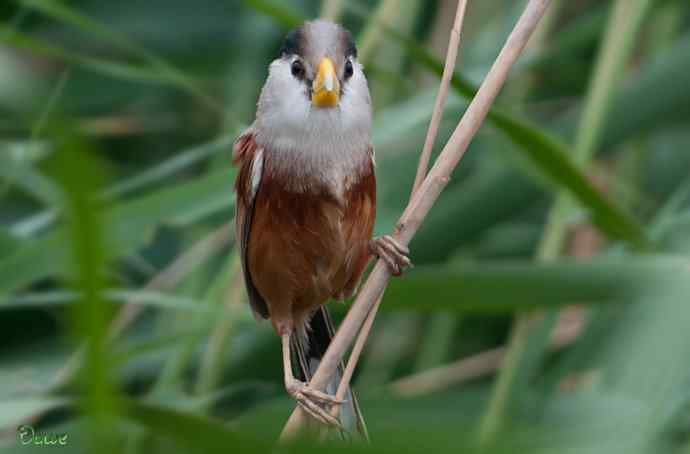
(308, 242)
(315, 162)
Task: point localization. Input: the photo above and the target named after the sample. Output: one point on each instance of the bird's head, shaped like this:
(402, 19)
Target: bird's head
(316, 85)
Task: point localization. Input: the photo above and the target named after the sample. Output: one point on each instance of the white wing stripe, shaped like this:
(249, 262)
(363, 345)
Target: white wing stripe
(257, 168)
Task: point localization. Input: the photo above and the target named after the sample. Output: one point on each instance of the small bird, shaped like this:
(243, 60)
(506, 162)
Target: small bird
(306, 203)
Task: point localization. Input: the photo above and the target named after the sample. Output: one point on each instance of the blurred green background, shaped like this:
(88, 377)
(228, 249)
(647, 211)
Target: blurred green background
(549, 308)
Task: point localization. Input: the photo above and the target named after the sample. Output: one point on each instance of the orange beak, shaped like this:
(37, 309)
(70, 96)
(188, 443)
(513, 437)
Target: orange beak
(326, 88)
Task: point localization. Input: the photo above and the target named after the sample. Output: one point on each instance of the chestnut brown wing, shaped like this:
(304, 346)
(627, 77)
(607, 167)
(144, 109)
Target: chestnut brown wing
(249, 157)
(359, 223)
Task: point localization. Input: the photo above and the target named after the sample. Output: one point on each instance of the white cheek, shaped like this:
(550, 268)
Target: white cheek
(356, 104)
(284, 106)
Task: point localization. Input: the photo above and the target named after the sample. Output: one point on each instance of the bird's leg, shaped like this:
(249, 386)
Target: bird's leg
(392, 252)
(307, 397)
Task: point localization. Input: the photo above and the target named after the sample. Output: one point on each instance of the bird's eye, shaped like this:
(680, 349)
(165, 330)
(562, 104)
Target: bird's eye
(349, 70)
(297, 69)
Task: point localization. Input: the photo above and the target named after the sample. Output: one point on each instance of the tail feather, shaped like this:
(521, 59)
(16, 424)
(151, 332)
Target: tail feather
(308, 348)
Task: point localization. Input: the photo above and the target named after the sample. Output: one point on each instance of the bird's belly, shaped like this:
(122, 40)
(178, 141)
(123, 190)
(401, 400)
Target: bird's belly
(301, 249)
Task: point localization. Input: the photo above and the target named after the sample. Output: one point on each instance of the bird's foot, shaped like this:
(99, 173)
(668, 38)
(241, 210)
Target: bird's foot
(392, 252)
(312, 401)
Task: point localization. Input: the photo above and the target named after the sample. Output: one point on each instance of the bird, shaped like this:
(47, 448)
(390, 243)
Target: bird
(306, 204)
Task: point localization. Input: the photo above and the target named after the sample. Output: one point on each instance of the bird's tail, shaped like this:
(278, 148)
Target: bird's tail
(308, 347)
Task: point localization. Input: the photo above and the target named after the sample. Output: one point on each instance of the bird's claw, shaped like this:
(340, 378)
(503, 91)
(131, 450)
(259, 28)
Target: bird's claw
(308, 397)
(392, 252)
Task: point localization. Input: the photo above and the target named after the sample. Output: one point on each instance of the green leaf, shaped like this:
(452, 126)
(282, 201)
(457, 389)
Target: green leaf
(638, 356)
(582, 33)
(64, 14)
(15, 411)
(179, 204)
(551, 156)
(179, 162)
(111, 68)
(81, 174)
(8, 243)
(515, 286)
(198, 434)
(130, 225)
(31, 181)
(52, 299)
(462, 213)
(29, 370)
(656, 97)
